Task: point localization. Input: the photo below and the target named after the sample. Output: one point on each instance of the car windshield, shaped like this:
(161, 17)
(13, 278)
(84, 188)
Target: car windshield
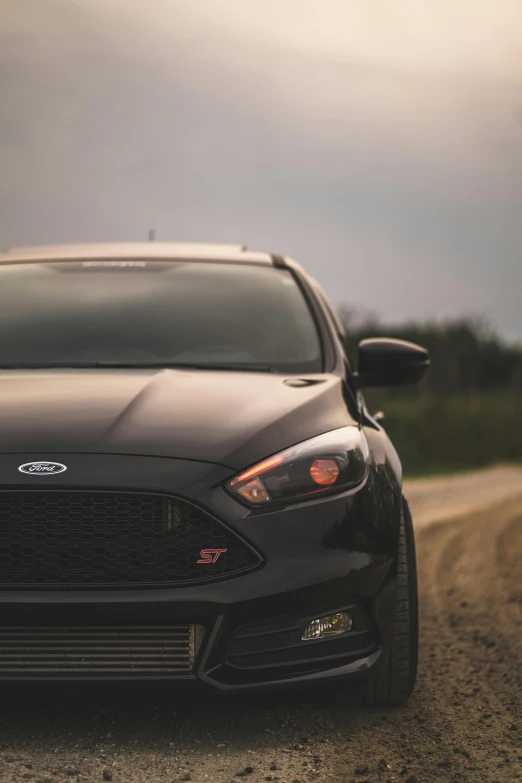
(141, 313)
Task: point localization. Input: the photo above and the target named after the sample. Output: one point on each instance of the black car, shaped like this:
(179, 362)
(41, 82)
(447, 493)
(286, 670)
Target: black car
(191, 484)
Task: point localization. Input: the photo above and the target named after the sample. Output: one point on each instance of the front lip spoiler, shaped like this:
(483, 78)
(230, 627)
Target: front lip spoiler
(97, 681)
(354, 670)
(209, 674)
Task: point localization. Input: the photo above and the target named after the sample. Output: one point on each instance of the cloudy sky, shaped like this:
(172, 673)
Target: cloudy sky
(379, 142)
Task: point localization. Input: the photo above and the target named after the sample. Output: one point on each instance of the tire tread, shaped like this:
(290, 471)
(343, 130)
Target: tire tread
(395, 683)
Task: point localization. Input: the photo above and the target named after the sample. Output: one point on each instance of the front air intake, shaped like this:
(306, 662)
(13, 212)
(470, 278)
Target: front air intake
(143, 652)
(95, 539)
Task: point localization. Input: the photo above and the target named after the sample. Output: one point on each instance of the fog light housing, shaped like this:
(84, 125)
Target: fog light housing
(330, 625)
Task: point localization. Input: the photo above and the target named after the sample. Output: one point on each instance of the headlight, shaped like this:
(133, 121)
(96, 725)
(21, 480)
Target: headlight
(332, 462)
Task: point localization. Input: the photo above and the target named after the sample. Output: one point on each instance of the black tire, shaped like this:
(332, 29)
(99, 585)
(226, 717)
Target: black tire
(396, 681)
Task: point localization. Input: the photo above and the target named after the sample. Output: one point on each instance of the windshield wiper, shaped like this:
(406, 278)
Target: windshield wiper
(188, 366)
(32, 366)
(140, 366)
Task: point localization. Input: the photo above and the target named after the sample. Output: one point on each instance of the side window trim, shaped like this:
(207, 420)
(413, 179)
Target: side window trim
(338, 324)
(341, 334)
(315, 304)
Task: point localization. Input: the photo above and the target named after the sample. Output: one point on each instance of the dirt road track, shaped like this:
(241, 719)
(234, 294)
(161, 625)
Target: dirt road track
(464, 722)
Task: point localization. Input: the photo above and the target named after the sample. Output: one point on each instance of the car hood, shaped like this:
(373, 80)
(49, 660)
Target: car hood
(229, 418)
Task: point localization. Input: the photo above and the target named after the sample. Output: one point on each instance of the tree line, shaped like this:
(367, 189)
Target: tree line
(467, 411)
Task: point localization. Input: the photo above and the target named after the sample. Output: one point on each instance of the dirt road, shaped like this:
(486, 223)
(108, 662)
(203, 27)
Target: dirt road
(464, 722)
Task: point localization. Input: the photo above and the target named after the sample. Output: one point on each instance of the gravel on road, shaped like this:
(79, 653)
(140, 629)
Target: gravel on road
(438, 498)
(463, 723)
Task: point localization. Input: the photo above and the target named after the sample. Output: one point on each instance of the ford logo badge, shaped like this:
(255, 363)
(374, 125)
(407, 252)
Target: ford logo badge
(42, 468)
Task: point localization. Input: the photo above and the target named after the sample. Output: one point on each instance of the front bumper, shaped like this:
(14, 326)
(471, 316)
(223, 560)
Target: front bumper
(318, 557)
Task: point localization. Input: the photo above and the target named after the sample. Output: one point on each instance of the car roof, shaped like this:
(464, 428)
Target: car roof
(195, 251)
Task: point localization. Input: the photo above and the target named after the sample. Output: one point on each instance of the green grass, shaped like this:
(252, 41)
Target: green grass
(441, 434)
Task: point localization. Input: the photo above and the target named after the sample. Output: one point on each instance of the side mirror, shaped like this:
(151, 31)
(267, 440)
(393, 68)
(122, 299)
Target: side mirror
(388, 362)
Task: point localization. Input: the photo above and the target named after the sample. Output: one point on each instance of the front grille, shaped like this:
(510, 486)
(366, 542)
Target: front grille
(90, 539)
(96, 652)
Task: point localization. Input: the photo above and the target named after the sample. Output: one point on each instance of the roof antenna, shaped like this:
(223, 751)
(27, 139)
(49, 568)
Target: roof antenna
(152, 234)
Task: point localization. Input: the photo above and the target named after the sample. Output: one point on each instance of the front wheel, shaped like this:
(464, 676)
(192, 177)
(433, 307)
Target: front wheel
(396, 681)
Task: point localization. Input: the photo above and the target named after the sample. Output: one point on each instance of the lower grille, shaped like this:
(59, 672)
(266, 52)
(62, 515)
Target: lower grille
(99, 538)
(97, 653)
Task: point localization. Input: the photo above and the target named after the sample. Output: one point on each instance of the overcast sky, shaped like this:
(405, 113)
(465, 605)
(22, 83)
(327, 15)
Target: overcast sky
(378, 142)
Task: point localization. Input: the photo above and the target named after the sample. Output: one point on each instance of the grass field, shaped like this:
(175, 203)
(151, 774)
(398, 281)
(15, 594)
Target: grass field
(443, 433)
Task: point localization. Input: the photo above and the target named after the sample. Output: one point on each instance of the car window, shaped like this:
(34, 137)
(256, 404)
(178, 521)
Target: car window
(148, 312)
